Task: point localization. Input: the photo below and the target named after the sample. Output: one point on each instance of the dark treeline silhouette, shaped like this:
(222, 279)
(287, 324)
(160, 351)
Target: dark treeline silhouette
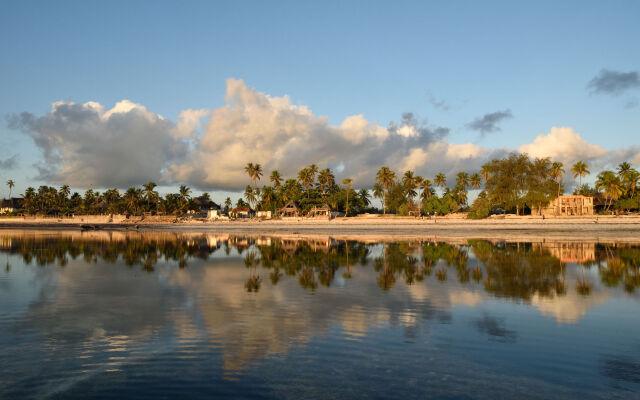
(511, 270)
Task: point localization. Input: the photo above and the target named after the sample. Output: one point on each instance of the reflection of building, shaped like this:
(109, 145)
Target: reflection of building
(569, 205)
(572, 252)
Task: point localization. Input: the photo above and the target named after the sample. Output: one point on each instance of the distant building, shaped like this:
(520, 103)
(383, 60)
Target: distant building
(324, 211)
(7, 206)
(204, 207)
(263, 214)
(240, 212)
(290, 210)
(569, 205)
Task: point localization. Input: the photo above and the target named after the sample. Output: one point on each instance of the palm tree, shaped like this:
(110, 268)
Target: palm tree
(254, 171)
(556, 171)
(440, 180)
(631, 179)
(184, 195)
(485, 172)
(378, 191)
(419, 182)
(326, 178)
(250, 195)
(268, 195)
(228, 203)
(149, 193)
(623, 168)
(609, 182)
(426, 185)
(364, 197)
(275, 178)
(462, 179)
(580, 169)
(385, 177)
(11, 184)
(306, 178)
(347, 183)
(250, 169)
(313, 170)
(475, 180)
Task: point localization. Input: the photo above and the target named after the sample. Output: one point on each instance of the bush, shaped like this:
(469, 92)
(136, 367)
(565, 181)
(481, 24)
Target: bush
(480, 213)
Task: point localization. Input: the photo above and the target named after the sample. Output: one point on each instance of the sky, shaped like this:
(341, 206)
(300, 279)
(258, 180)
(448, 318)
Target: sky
(115, 94)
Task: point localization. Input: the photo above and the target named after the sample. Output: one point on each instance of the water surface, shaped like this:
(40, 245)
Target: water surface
(177, 315)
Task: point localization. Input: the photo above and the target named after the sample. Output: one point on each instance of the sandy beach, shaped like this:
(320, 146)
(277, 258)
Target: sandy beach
(509, 227)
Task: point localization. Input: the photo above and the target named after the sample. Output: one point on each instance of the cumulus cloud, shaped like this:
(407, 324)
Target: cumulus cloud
(563, 144)
(256, 127)
(488, 123)
(88, 144)
(613, 82)
(566, 145)
(85, 144)
(9, 163)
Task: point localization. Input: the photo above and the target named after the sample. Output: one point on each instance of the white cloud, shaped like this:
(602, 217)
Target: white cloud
(84, 145)
(88, 144)
(563, 144)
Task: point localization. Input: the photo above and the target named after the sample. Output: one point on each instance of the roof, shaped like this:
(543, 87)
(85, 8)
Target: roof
(203, 202)
(290, 206)
(240, 209)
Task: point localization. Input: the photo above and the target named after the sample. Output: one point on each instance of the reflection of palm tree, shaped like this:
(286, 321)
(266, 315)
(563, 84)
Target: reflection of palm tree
(347, 274)
(583, 286)
(476, 274)
(441, 274)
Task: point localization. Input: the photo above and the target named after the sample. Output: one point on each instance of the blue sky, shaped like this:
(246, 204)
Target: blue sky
(339, 59)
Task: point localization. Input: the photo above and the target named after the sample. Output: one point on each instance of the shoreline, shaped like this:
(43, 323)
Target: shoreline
(624, 228)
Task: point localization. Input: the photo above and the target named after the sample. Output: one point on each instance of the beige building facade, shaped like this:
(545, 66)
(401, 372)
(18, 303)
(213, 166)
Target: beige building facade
(569, 205)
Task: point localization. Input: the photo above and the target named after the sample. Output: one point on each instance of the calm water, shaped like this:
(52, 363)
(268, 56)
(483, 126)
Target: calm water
(169, 315)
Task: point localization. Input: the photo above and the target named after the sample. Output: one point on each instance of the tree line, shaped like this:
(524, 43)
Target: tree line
(515, 183)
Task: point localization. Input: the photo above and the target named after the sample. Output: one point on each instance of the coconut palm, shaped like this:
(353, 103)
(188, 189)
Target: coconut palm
(257, 174)
(623, 168)
(609, 182)
(184, 196)
(250, 195)
(409, 182)
(326, 179)
(149, 193)
(347, 183)
(426, 185)
(378, 191)
(440, 180)
(385, 177)
(306, 178)
(227, 203)
(485, 171)
(364, 196)
(475, 180)
(630, 179)
(580, 169)
(11, 184)
(462, 179)
(275, 178)
(556, 171)
(313, 170)
(250, 170)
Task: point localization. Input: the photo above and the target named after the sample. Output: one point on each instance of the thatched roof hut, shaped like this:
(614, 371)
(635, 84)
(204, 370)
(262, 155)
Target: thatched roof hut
(290, 210)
